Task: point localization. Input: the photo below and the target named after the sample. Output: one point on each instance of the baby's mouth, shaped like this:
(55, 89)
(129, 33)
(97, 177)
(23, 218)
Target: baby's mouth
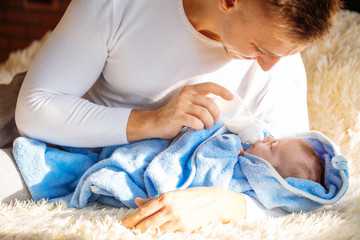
(250, 148)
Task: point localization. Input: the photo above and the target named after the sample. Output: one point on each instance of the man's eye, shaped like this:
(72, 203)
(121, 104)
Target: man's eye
(257, 50)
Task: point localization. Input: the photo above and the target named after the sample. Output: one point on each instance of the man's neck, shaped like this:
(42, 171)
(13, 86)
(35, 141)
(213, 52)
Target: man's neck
(203, 15)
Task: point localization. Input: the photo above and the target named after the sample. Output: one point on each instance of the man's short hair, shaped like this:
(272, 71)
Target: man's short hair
(304, 21)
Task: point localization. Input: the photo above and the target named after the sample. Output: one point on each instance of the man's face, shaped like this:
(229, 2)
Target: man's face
(247, 33)
(284, 154)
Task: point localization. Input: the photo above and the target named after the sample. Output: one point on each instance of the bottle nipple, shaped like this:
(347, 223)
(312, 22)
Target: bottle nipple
(251, 134)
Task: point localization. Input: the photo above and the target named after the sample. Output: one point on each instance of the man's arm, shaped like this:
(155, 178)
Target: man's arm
(187, 210)
(50, 106)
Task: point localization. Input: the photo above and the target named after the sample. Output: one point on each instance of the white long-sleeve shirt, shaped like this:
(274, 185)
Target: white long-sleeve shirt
(136, 54)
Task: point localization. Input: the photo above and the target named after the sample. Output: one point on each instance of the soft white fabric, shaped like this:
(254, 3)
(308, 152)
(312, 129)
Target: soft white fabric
(254, 210)
(12, 185)
(136, 54)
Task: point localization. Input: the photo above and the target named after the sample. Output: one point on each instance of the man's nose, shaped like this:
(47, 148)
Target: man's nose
(266, 62)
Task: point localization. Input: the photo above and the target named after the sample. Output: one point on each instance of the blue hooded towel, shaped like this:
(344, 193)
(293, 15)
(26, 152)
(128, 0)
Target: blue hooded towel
(117, 175)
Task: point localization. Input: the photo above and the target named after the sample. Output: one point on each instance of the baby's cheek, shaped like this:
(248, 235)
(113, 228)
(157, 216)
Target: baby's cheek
(249, 150)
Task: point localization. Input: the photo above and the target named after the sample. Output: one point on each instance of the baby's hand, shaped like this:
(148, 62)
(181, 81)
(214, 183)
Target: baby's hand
(241, 151)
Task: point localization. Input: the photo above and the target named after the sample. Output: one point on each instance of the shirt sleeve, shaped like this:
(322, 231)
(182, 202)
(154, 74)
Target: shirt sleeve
(50, 106)
(254, 210)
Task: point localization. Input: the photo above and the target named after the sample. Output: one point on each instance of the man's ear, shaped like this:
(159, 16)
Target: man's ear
(225, 5)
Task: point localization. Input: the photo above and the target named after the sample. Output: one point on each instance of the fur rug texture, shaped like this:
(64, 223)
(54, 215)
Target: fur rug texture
(333, 68)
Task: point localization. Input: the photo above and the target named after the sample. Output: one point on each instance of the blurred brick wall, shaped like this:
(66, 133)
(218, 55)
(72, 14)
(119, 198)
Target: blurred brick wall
(22, 21)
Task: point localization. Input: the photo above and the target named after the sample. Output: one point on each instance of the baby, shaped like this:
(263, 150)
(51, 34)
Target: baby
(290, 156)
(206, 158)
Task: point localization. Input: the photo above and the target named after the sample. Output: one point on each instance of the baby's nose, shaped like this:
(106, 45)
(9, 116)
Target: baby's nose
(268, 139)
(259, 142)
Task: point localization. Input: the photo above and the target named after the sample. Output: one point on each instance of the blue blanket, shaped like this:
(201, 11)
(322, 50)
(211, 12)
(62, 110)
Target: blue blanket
(116, 175)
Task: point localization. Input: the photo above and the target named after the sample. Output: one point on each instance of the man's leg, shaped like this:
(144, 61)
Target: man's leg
(12, 185)
(8, 97)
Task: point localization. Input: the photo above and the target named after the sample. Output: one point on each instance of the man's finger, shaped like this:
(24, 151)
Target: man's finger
(142, 213)
(203, 114)
(193, 122)
(154, 221)
(142, 201)
(216, 89)
(208, 103)
(169, 227)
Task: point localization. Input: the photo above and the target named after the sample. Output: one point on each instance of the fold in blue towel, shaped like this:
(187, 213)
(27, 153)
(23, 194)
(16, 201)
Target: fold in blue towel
(116, 175)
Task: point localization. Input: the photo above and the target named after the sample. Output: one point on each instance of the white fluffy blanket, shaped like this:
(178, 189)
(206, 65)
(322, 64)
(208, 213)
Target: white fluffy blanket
(333, 68)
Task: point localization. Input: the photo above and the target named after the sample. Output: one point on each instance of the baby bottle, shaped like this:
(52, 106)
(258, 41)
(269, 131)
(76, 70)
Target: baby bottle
(238, 119)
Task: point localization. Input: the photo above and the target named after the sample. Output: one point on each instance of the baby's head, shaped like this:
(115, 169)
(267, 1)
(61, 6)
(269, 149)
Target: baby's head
(290, 156)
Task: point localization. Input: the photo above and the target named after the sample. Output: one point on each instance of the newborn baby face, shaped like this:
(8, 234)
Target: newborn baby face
(284, 154)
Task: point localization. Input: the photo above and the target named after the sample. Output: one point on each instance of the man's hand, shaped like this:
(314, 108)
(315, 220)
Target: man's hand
(191, 107)
(187, 210)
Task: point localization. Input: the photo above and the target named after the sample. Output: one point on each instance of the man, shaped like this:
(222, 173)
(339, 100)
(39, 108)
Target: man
(120, 71)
